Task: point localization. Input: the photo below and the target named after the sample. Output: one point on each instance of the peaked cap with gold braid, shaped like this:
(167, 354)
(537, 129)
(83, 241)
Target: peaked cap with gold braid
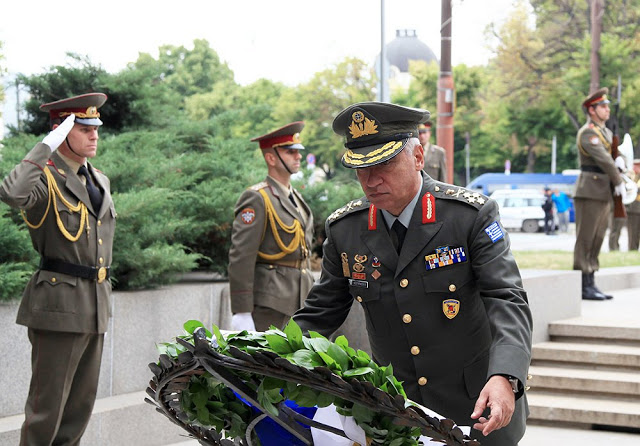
(376, 131)
(85, 107)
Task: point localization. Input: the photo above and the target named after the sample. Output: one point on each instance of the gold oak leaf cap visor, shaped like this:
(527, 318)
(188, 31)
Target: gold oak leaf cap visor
(376, 131)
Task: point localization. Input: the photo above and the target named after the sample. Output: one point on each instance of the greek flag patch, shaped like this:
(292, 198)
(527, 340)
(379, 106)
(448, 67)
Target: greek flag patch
(494, 231)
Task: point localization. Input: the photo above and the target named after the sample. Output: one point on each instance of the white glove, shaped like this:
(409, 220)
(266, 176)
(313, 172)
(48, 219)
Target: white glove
(57, 135)
(620, 164)
(242, 321)
(620, 190)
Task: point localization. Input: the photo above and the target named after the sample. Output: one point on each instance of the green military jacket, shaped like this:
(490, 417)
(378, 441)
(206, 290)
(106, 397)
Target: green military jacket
(435, 162)
(447, 312)
(55, 301)
(599, 172)
(282, 281)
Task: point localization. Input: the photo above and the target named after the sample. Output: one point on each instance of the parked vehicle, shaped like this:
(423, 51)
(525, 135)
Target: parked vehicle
(488, 183)
(521, 208)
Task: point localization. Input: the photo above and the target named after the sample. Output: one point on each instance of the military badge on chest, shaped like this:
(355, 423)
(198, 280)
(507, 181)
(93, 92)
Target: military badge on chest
(450, 308)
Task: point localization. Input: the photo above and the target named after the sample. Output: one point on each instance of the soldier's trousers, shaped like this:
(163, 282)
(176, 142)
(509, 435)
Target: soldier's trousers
(633, 227)
(592, 219)
(64, 381)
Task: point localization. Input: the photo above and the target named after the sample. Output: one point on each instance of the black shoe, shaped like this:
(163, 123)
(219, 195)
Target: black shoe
(606, 296)
(592, 284)
(589, 293)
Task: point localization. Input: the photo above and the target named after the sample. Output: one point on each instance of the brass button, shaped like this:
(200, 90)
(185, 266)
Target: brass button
(529, 377)
(526, 389)
(100, 260)
(415, 350)
(99, 222)
(99, 241)
(422, 380)
(595, 177)
(54, 280)
(406, 318)
(404, 283)
(303, 271)
(359, 299)
(437, 188)
(452, 288)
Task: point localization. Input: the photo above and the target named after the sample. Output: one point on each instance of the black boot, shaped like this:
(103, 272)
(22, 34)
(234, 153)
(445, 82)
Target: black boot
(593, 285)
(588, 292)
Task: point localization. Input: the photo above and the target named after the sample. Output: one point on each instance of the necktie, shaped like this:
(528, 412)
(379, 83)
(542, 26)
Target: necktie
(292, 199)
(397, 234)
(94, 193)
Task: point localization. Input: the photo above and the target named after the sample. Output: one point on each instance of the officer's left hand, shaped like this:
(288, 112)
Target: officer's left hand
(620, 190)
(497, 395)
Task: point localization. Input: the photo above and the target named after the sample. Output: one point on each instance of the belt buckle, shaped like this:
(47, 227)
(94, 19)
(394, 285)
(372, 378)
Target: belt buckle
(102, 274)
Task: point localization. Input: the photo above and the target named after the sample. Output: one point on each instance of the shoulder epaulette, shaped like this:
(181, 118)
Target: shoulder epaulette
(260, 185)
(451, 192)
(354, 205)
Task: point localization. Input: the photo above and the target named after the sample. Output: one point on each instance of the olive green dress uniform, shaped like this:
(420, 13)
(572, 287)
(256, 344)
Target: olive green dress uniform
(449, 310)
(269, 266)
(435, 162)
(67, 316)
(593, 198)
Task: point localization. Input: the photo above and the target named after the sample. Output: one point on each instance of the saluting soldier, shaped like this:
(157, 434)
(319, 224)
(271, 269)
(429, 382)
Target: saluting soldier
(435, 157)
(431, 265)
(269, 266)
(593, 198)
(67, 206)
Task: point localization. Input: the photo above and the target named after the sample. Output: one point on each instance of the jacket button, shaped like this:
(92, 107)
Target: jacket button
(100, 260)
(359, 299)
(404, 283)
(99, 241)
(529, 377)
(54, 280)
(303, 271)
(99, 222)
(406, 318)
(422, 380)
(415, 350)
(452, 288)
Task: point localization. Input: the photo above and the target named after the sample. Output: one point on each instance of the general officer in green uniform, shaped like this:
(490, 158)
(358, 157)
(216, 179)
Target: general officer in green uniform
(435, 157)
(593, 195)
(67, 206)
(269, 266)
(431, 265)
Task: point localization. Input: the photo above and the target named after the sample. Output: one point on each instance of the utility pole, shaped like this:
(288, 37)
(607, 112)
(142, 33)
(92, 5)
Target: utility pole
(446, 93)
(384, 94)
(597, 10)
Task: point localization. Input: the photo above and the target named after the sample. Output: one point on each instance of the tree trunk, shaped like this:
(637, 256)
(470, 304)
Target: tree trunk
(597, 10)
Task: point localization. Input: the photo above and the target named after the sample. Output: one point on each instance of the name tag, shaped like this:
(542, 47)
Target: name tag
(359, 283)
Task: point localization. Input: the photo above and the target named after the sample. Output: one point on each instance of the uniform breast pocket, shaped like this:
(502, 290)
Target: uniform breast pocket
(70, 220)
(450, 291)
(368, 295)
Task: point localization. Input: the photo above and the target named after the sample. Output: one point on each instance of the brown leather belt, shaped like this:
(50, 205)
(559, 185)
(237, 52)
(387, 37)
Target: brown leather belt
(298, 263)
(85, 272)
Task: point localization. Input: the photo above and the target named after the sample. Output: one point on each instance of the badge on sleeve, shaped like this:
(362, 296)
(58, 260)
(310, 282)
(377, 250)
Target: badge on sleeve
(494, 231)
(594, 140)
(248, 215)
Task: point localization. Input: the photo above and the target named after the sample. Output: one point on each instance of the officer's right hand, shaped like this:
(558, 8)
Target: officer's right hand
(57, 135)
(242, 321)
(620, 190)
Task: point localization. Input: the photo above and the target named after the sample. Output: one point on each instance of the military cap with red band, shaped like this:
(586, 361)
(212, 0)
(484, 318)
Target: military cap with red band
(84, 106)
(287, 136)
(596, 98)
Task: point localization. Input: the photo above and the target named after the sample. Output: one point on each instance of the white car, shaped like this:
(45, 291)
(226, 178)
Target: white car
(521, 208)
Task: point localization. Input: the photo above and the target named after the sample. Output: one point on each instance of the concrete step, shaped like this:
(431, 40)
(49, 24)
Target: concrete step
(601, 331)
(588, 354)
(578, 409)
(572, 379)
(116, 421)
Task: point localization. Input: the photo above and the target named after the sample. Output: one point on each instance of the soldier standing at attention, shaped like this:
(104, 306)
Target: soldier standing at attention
(593, 197)
(435, 157)
(67, 206)
(432, 267)
(269, 266)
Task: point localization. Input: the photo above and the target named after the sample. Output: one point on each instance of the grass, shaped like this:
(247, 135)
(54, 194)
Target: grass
(564, 259)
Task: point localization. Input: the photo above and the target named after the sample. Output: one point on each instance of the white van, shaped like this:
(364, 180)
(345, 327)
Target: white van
(521, 208)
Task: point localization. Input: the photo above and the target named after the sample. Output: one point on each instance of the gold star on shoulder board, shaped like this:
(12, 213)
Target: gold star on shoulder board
(481, 200)
(471, 199)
